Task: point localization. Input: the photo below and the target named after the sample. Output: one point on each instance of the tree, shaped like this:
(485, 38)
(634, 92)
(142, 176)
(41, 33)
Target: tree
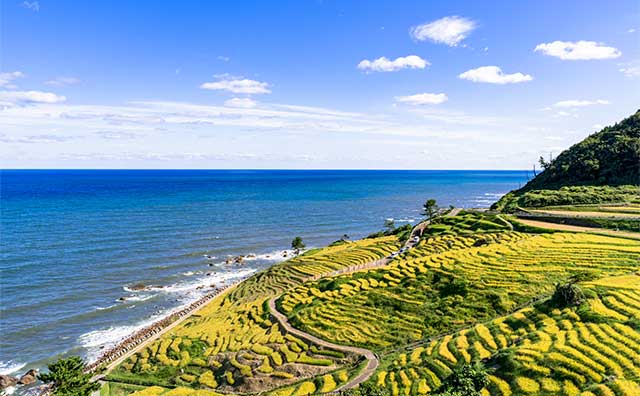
(297, 244)
(466, 380)
(544, 164)
(68, 378)
(430, 208)
(390, 225)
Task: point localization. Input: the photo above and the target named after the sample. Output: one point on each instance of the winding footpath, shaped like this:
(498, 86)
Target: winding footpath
(372, 359)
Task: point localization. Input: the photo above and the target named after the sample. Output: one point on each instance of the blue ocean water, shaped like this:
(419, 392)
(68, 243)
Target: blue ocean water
(74, 241)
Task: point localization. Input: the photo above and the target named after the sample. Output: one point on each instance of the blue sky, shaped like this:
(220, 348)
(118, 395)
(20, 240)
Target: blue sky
(301, 84)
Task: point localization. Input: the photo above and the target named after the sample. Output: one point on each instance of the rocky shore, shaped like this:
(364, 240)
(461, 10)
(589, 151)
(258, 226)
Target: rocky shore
(144, 334)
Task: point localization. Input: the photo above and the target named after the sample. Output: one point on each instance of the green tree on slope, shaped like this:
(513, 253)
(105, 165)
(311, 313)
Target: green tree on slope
(68, 378)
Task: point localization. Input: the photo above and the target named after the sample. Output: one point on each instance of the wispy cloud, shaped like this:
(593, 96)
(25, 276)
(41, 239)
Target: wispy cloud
(63, 81)
(494, 75)
(630, 69)
(223, 58)
(383, 64)
(449, 30)
(115, 135)
(422, 99)
(6, 79)
(31, 5)
(244, 103)
(579, 50)
(237, 85)
(11, 98)
(33, 139)
(580, 103)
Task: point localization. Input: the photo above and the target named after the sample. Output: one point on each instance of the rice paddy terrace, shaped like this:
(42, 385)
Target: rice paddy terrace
(232, 346)
(472, 291)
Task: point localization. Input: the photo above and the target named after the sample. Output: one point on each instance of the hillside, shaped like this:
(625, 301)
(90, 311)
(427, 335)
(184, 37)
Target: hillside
(600, 169)
(477, 289)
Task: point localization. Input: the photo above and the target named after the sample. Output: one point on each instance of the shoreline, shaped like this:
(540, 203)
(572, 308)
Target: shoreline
(131, 344)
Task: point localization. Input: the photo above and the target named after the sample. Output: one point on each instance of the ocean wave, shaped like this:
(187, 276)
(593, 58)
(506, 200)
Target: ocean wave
(134, 298)
(105, 308)
(96, 341)
(274, 256)
(406, 220)
(10, 367)
(215, 278)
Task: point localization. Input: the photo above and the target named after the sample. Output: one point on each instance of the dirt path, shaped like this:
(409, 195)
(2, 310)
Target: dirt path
(372, 359)
(454, 212)
(566, 227)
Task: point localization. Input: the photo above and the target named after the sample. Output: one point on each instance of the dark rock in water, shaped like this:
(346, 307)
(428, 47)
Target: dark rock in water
(138, 287)
(122, 299)
(29, 377)
(7, 381)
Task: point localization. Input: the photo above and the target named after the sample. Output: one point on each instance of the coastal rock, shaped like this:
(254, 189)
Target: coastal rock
(29, 377)
(7, 381)
(138, 287)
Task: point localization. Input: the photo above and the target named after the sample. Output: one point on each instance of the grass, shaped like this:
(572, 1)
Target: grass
(568, 196)
(448, 282)
(538, 350)
(232, 344)
(473, 292)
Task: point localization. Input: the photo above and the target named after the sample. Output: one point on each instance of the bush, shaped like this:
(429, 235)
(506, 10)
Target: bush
(567, 295)
(466, 380)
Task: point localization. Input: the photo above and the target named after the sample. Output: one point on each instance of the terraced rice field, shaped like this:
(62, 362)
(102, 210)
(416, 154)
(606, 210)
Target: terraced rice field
(452, 299)
(539, 350)
(416, 297)
(232, 345)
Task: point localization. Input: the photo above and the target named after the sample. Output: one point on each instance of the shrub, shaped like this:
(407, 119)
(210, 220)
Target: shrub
(466, 380)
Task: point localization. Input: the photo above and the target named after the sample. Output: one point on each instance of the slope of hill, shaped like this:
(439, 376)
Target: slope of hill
(603, 168)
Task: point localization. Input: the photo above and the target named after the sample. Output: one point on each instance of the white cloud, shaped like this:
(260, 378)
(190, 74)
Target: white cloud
(31, 5)
(237, 85)
(579, 50)
(63, 81)
(30, 139)
(117, 135)
(423, 99)
(630, 69)
(244, 103)
(6, 79)
(580, 103)
(9, 98)
(223, 58)
(494, 75)
(449, 30)
(385, 65)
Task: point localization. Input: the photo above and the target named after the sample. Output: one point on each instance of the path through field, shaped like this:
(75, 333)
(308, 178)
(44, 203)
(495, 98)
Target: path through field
(372, 359)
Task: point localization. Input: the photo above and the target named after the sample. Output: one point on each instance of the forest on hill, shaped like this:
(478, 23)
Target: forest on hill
(602, 168)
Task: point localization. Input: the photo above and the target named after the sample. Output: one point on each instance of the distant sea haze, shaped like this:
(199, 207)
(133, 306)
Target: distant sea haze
(76, 243)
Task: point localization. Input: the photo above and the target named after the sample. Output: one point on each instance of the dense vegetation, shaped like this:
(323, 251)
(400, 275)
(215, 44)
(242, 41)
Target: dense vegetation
(610, 157)
(67, 378)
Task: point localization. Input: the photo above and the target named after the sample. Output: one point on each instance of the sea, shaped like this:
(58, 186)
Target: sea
(75, 243)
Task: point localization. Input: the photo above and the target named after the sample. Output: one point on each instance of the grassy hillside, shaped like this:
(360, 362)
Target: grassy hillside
(472, 291)
(604, 167)
(232, 345)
